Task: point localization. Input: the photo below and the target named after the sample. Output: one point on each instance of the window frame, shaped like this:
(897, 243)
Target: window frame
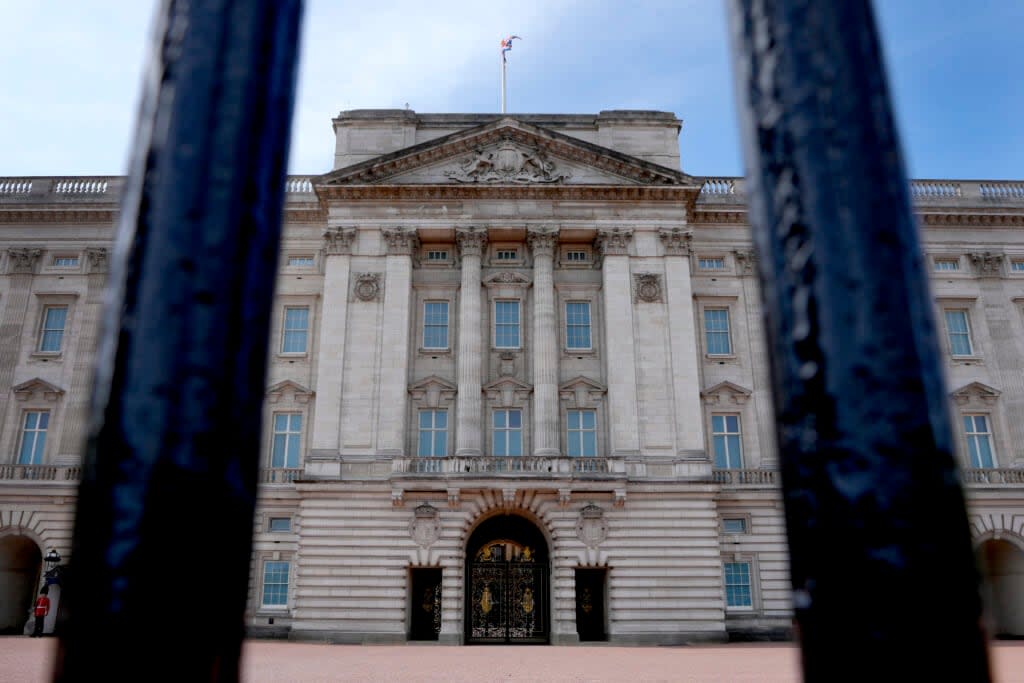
(725, 440)
(939, 261)
(518, 324)
(433, 430)
(744, 521)
(24, 431)
(447, 325)
(966, 311)
(298, 434)
(589, 325)
(311, 257)
(305, 331)
(751, 571)
(507, 430)
(703, 264)
(989, 436)
(581, 431)
(272, 530)
(43, 319)
(264, 605)
(730, 351)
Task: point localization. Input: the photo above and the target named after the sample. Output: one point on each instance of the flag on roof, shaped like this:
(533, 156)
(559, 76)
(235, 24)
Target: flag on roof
(506, 45)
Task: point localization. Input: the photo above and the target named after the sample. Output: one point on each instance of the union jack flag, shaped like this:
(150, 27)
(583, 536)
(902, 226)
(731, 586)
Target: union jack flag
(506, 45)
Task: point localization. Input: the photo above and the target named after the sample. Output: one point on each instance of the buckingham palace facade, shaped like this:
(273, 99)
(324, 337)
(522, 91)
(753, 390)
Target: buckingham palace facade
(517, 389)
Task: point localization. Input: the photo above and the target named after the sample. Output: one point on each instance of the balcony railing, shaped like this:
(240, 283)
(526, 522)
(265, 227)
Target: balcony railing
(510, 465)
(993, 476)
(751, 478)
(923, 191)
(40, 472)
(280, 475)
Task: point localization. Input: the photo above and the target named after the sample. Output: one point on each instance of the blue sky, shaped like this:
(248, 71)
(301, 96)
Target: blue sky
(71, 71)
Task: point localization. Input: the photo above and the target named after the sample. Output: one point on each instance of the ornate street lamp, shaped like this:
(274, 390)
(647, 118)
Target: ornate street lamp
(52, 560)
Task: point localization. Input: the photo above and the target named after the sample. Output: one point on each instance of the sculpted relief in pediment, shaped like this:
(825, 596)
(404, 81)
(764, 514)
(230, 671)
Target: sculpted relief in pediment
(509, 163)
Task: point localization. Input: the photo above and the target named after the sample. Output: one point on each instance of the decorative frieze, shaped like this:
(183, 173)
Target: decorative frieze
(614, 242)
(509, 163)
(367, 286)
(22, 260)
(676, 240)
(471, 241)
(339, 240)
(400, 242)
(987, 263)
(647, 288)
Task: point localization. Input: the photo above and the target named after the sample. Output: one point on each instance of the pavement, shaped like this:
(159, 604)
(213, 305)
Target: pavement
(27, 660)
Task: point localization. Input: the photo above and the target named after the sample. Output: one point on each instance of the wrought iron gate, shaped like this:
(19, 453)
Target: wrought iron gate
(508, 599)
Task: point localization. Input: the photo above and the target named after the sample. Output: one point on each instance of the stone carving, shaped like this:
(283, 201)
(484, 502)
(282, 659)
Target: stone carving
(647, 288)
(471, 240)
(425, 525)
(543, 242)
(400, 242)
(22, 260)
(987, 264)
(339, 240)
(508, 277)
(676, 241)
(591, 526)
(614, 242)
(97, 259)
(746, 261)
(508, 164)
(367, 286)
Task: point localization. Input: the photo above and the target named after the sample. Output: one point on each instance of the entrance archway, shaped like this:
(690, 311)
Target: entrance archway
(20, 562)
(507, 579)
(1002, 567)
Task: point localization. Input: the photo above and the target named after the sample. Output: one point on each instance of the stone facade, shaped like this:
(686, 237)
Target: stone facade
(509, 344)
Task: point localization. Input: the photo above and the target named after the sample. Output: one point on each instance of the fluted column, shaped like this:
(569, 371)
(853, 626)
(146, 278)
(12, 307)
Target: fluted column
(545, 344)
(394, 362)
(689, 421)
(331, 361)
(468, 428)
(623, 418)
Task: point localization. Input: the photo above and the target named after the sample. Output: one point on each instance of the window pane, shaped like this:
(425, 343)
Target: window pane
(30, 420)
(277, 459)
(980, 423)
(732, 423)
(733, 443)
(280, 524)
(984, 452)
(589, 444)
(721, 461)
(499, 418)
(441, 419)
(574, 419)
(296, 423)
(425, 444)
(575, 444)
(515, 442)
(501, 442)
(280, 423)
(426, 419)
(293, 451)
(55, 317)
(717, 424)
(440, 443)
(589, 419)
(515, 419)
(27, 446)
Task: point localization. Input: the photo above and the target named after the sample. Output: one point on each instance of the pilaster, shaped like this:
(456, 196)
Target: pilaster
(21, 264)
(469, 370)
(545, 344)
(394, 365)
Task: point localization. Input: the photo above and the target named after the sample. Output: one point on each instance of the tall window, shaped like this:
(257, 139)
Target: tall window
(725, 435)
(506, 324)
(275, 583)
(33, 437)
(959, 332)
(52, 334)
(508, 432)
(716, 331)
(979, 440)
(433, 433)
(577, 325)
(581, 428)
(287, 435)
(296, 329)
(737, 584)
(435, 325)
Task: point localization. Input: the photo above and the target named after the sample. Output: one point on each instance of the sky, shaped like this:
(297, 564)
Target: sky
(71, 72)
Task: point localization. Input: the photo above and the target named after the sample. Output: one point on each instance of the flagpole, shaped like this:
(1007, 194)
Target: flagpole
(503, 64)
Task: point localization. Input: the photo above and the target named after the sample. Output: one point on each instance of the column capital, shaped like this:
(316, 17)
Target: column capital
(339, 240)
(746, 261)
(614, 242)
(22, 260)
(676, 240)
(542, 241)
(471, 240)
(401, 241)
(98, 259)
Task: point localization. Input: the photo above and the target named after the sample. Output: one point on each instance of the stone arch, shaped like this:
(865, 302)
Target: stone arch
(1000, 557)
(21, 560)
(523, 503)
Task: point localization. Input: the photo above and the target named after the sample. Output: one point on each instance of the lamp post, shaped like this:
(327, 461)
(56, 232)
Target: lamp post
(52, 560)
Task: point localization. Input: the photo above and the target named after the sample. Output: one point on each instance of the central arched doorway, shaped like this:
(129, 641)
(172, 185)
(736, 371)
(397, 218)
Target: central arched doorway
(20, 562)
(507, 569)
(1002, 566)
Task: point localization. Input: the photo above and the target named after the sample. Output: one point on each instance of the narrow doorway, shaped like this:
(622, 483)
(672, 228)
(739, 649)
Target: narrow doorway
(590, 599)
(425, 603)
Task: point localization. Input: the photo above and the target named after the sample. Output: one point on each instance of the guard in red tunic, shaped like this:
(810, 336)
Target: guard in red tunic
(41, 610)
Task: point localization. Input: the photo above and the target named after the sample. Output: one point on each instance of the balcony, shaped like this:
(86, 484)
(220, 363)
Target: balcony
(561, 467)
(58, 473)
(741, 478)
(280, 475)
(991, 477)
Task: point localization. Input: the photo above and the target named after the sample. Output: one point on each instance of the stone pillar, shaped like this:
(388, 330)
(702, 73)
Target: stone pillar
(21, 264)
(468, 434)
(76, 406)
(761, 386)
(330, 365)
(689, 422)
(545, 344)
(394, 361)
(623, 427)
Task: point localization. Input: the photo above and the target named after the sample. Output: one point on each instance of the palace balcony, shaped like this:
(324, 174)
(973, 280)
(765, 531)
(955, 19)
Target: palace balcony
(746, 478)
(560, 467)
(38, 473)
(991, 477)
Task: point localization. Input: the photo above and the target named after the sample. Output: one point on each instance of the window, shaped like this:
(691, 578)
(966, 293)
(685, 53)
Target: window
(947, 264)
(52, 334)
(581, 428)
(716, 331)
(33, 437)
(433, 433)
(711, 263)
(576, 256)
(508, 432)
(296, 329)
(303, 260)
(507, 254)
(577, 325)
(506, 324)
(959, 332)
(737, 585)
(979, 440)
(734, 525)
(437, 256)
(435, 325)
(725, 435)
(1017, 266)
(287, 432)
(275, 584)
(65, 261)
(280, 524)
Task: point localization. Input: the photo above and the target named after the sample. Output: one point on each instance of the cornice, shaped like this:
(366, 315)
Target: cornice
(671, 193)
(978, 218)
(58, 215)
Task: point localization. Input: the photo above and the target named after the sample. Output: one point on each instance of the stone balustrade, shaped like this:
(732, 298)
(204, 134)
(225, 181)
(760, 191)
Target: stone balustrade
(746, 478)
(99, 189)
(36, 473)
(545, 466)
(280, 475)
(992, 476)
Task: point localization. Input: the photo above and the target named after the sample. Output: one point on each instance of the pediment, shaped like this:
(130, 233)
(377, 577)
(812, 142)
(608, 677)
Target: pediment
(503, 383)
(977, 390)
(37, 387)
(433, 391)
(432, 381)
(581, 382)
(503, 153)
(581, 392)
(300, 393)
(726, 392)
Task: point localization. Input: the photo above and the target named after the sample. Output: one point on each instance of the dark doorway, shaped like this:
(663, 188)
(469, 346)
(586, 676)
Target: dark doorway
(425, 603)
(507, 583)
(20, 562)
(590, 604)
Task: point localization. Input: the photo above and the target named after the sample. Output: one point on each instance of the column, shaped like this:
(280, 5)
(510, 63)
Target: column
(689, 419)
(545, 344)
(394, 360)
(469, 364)
(338, 244)
(623, 428)
(761, 385)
